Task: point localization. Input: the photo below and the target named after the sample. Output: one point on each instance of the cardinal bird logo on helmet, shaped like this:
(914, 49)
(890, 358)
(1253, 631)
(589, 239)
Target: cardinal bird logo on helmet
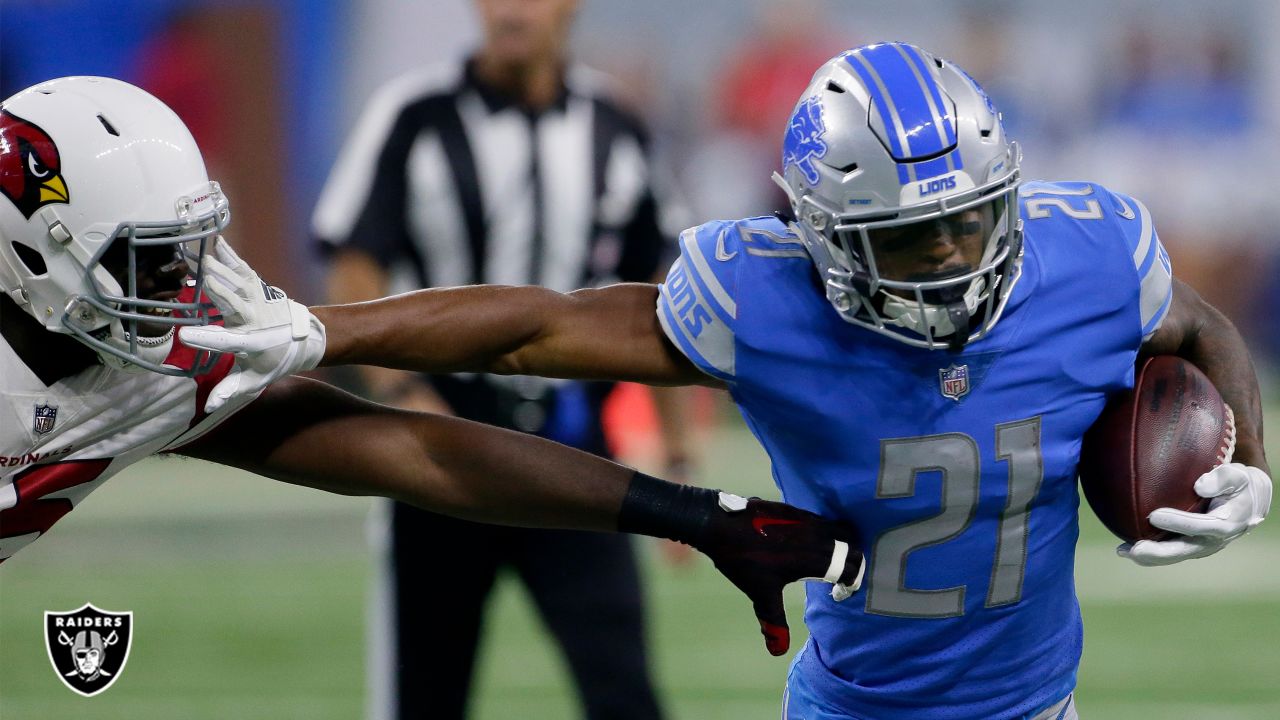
(30, 168)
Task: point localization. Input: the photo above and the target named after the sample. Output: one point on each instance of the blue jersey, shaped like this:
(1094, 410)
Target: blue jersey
(958, 469)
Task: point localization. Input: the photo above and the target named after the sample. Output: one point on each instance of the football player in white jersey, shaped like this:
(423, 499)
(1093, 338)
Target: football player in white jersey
(109, 232)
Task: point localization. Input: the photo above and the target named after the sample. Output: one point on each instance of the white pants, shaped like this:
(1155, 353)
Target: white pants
(1064, 710)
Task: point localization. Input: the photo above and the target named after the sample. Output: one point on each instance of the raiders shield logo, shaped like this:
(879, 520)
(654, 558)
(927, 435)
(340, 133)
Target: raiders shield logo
(954, 381)
(88, 647)
(45, 416)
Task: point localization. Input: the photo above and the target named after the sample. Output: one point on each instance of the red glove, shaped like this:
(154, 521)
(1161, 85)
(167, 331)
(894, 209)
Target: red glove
(760, 546)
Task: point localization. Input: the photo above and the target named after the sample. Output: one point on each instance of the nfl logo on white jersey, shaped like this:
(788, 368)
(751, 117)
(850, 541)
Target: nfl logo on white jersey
(45, 416)
(954, 381)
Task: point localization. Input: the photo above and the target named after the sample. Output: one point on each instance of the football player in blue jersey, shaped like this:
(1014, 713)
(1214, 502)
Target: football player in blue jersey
(920, 348)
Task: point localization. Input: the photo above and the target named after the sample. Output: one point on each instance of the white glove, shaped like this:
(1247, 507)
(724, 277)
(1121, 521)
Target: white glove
(1241, 497)
(271, 335)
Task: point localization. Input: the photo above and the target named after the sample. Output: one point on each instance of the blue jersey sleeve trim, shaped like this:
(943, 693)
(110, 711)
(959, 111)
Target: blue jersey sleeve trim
(691, 242)
(709, 288)
(1145, 234)
(1155, 274)
(1154, 324)
(686, 345)
(696, 302)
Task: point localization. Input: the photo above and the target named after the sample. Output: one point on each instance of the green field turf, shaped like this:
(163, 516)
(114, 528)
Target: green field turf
(248, 603)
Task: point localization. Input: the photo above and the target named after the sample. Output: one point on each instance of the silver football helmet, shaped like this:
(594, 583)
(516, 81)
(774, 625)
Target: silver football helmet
(904, 190)
(107, 211)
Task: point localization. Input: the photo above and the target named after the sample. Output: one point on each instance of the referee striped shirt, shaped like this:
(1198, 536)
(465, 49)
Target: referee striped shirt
(449, 182)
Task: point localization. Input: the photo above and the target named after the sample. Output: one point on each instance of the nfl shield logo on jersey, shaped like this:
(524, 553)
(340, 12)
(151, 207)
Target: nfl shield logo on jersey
(954, 381)
(88, 647)
(45, 416)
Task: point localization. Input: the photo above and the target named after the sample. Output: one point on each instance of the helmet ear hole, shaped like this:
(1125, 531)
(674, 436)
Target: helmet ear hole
(106, 125)
(30, 258)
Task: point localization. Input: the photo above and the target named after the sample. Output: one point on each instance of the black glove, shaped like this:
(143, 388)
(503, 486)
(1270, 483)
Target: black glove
(760, 546)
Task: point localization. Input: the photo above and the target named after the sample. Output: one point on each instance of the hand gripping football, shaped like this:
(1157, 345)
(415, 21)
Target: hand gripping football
(1150, 445)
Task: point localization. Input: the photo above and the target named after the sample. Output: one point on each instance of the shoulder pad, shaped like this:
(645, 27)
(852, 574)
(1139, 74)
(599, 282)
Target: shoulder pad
(1117, 218)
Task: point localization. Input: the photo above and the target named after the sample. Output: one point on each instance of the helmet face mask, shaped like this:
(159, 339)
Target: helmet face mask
(148, 265)
(108, 214)
(904, 190)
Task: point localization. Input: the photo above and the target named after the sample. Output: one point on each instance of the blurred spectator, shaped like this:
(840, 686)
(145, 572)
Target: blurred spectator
(773, 62)
(986, 54)
(216, 66)
(752, 96)
(1178, 124)
(1184, 85)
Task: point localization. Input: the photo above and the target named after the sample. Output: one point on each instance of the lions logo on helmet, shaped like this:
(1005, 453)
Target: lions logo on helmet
(803, 143)
(889, 152)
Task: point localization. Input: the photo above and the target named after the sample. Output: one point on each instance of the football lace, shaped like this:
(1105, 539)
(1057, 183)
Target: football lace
(1228, 436)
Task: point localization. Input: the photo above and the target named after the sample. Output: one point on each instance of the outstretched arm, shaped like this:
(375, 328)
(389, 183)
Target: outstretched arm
(305, 432)
(1239, 491)
(610, 333)
(308, 433)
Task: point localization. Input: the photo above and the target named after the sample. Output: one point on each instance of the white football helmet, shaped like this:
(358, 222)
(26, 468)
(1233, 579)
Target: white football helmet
(888, 150)
(104, 192)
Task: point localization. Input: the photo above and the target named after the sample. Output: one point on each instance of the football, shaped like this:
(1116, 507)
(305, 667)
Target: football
(1150, 444)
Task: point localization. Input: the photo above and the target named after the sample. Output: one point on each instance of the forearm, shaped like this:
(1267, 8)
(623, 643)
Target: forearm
(479, 473)
(308, 433)
(436, 330)
(1212, 343)
(609, 333)
(357, 276)
(1221, 353)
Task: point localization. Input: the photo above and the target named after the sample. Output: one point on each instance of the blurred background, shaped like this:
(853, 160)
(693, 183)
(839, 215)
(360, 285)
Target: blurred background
(249, 597)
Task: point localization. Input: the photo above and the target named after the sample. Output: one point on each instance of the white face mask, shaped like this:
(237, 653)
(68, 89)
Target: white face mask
(920, 317)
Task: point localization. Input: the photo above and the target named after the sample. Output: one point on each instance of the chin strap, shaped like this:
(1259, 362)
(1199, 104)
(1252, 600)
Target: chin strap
(958, 313)
(948, 317)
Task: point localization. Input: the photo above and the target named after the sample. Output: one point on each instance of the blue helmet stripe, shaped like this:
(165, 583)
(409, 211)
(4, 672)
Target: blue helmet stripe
(877, 91)
(911, 117)
(933, 168)
(947, 127)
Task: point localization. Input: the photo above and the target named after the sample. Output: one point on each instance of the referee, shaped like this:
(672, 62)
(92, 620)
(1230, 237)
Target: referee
(515, 168)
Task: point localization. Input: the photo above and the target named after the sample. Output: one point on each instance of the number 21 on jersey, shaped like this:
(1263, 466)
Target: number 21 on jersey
(956, 457)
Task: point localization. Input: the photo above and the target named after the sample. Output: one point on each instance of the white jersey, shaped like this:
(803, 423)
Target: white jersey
(59, 443)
